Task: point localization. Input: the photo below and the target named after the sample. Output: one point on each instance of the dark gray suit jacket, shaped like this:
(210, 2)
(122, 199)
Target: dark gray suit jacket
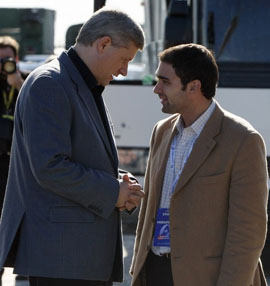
(62, 186)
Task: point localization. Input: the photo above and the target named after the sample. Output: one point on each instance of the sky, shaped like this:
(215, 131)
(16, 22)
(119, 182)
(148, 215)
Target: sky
(75, 12)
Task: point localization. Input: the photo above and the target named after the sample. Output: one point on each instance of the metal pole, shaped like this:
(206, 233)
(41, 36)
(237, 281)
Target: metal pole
(195, 21)
(99, 4)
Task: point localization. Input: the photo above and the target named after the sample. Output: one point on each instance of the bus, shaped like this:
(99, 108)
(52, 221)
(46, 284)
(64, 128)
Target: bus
(237, 31)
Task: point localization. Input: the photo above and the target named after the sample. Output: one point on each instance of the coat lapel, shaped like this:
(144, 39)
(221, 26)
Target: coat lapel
(163, 155)
(200, 152)
(88, 100)
(111, 133)
(202, 148)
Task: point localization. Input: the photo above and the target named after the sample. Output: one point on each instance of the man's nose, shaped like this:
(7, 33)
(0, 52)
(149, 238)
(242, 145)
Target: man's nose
(157, 88)
(124, 70)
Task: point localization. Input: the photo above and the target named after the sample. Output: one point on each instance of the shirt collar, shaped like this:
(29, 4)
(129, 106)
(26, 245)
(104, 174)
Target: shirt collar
(199, 124)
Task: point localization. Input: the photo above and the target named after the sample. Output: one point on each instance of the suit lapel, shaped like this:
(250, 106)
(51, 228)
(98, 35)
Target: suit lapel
(200, 152)
(202, 148)
(88, 100)
(109, 126)
(163, 155)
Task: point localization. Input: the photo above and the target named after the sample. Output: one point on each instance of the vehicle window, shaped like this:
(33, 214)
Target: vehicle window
(251, 34)
(133, 160)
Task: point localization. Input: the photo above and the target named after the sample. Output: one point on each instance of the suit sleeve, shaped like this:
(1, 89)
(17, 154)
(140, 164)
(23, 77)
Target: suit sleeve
(46, 125)
(247, 217)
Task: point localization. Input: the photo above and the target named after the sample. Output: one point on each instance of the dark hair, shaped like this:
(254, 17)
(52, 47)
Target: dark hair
(116, 24)
(191, 62)
(7, 41)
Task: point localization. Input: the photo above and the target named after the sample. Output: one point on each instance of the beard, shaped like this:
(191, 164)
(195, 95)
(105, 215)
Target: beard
(166, 108)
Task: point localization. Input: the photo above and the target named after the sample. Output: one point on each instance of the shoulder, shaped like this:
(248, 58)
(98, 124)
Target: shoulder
(238, 130)
(48, 85)
(53, 74)
(230, 122)
(237, 124)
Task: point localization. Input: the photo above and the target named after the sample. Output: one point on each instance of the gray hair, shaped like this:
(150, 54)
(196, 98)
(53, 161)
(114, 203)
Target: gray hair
(112, 23)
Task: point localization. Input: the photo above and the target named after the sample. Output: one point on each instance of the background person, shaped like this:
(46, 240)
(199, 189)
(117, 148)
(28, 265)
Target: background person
(203, 218)
(11, 81)
(61, 220)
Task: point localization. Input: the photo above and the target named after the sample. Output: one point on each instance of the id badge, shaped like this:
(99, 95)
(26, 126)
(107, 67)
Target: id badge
(162, 228)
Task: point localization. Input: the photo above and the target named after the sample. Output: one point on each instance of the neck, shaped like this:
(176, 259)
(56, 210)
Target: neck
(190, 116)
(86, 53)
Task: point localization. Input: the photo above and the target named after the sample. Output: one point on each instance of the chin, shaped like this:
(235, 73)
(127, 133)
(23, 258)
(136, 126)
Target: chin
(165, 110)
(104, 83)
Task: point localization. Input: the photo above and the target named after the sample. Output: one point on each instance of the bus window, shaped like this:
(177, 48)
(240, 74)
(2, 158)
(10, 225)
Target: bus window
(245, 23)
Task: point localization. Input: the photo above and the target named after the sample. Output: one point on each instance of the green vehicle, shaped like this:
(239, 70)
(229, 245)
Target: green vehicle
(33, 28)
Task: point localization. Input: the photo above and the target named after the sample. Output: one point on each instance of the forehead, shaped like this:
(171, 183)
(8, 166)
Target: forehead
(166, 70)
(6, 52)
(130, 51)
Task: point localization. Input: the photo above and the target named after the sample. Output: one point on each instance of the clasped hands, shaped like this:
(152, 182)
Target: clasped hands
(130, 194)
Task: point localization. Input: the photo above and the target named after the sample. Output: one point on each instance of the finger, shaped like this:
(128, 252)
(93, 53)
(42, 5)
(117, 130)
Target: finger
(139, 193)
(130, 206)
(135, 187)
(126, 178)
(134, 199)
(122, 208)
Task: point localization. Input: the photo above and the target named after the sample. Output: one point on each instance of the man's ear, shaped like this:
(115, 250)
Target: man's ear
(103, 43)
(194, 86)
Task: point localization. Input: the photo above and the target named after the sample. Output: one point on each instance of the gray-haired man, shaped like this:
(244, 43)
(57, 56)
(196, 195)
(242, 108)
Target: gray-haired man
(61, 223)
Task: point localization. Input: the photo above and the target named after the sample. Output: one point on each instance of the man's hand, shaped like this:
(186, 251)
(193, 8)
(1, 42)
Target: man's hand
(15, 79)
(130, 194)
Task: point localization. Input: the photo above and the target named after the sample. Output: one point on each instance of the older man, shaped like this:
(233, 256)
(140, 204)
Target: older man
(61, 222)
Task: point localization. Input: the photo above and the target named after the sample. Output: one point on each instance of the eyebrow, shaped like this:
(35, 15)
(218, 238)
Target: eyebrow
(162, 77)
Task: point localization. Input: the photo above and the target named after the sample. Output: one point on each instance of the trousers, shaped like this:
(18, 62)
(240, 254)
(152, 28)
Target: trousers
(158, 271)
(44, 281)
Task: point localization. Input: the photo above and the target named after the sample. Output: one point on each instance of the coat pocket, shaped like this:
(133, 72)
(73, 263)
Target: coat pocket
(213, 179)
(71, 214)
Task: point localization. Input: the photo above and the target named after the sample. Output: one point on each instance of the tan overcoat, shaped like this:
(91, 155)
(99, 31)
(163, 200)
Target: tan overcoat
(218, 211)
